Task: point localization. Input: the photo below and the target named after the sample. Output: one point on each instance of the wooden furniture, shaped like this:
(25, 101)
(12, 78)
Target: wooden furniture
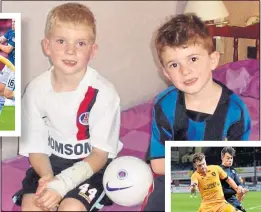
(248, 32)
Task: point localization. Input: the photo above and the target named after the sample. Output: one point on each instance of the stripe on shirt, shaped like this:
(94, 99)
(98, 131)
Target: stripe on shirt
(85, 107)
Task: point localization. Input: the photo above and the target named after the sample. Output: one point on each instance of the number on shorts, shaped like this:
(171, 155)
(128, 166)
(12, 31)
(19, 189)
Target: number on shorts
(11, 83)
(83, 188)
(92, 192)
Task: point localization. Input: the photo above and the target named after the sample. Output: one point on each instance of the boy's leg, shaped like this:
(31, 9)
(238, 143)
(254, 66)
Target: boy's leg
(156, 200)
(226, 207)
(24, 197)
(71, 204)
(30, 184)
(87, 196)
(236, 203)
(28, 203)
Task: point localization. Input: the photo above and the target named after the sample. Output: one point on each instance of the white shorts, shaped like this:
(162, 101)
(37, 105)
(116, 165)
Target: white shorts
(11, 82)
(7, 77)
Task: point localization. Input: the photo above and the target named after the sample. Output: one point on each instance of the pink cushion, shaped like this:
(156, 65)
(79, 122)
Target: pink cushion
(242, 77)
(253, 88)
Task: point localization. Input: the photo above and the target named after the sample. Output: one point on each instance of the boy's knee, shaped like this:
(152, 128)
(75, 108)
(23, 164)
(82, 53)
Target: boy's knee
(2, 88)
(70, 204)
(8, 94)
(28, 203)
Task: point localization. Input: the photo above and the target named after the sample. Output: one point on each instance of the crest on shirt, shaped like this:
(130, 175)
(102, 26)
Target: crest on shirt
(84, 118)
(213, 173)
(13, 39)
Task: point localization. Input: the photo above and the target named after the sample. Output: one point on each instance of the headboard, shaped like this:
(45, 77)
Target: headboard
(249, 32)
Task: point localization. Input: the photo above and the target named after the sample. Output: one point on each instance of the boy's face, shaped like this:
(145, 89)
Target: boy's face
(189, 68)
(227, 160)
(201, 166)
(69, 47)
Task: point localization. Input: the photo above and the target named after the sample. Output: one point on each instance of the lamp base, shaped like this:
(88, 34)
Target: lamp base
(210, 22)
(221, 24)
(217, 24)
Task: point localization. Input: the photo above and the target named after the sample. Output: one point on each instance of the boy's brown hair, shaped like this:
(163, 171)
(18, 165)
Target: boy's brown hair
(73, 13)
(184, 29)
(229, 150)
(198, 157)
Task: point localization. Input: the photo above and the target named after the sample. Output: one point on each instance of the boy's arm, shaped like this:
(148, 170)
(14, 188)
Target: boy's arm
(232, 184)
(97, 159)
(34, 136)
(194, 182)
(6, 48)
(11, 43)
(158, 166)
(2, 39)
(240, 130)
(104, 138)
(156, 150)
(224, 176)
(45, 169)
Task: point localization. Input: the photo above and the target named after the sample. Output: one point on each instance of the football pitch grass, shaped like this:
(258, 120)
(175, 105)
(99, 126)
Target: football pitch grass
(7, 119)
(182, 202)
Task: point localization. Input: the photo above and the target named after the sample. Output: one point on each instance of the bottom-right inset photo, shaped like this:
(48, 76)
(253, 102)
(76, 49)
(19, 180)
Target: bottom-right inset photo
(215, 179)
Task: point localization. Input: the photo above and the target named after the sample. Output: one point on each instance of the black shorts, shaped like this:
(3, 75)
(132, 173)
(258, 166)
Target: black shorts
(90, 192)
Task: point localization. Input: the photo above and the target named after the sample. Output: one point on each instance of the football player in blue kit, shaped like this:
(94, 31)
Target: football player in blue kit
(227, 155)
(7, 76)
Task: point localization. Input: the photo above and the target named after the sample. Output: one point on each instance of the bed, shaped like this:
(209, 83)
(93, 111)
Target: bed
(241, 76)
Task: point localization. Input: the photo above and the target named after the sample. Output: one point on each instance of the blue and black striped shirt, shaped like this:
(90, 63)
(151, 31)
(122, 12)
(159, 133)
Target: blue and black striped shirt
(172, 121)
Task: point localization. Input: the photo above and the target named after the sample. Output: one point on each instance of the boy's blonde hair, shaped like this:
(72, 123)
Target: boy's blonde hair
(183, 29)
(74, 13)
(198, 157)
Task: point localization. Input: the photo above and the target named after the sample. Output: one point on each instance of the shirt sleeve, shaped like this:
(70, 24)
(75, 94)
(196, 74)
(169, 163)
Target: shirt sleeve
(6, 34)
(10, 41)
(158, 135)
(194, 179)
(222, 174)
(240, 130)
(105, 122)
(34, 136)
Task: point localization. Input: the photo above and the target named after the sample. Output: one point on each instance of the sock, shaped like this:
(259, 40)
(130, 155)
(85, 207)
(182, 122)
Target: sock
(2, 103)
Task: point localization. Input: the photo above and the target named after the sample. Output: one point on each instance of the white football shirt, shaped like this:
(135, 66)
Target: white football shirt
(69, 124)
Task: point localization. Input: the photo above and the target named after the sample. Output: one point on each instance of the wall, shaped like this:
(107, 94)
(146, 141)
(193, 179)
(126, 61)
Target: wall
(125, 30)
(239, 12)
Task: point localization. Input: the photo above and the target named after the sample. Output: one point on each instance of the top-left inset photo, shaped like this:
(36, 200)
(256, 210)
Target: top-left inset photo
(10, 74)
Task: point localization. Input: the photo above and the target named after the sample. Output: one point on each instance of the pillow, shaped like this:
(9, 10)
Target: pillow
(253, 88)
(237, 80)
(242, 77)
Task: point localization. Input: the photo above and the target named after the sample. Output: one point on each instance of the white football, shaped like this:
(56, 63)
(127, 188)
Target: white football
(127, 180)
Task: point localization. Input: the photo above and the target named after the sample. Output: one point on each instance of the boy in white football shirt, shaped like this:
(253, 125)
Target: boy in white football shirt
(70, 119)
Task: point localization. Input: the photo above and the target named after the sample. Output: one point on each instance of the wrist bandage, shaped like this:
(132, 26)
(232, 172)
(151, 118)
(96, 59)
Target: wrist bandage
(71, 177)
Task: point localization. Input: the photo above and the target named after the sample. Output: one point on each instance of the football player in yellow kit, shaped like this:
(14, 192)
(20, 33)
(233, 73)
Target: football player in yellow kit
(207, 178)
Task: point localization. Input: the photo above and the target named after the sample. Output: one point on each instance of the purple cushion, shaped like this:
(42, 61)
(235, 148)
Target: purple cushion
(242, 77)
(253, 88)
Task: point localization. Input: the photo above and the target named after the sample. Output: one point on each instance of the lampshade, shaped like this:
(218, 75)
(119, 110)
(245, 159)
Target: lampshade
(207, 10)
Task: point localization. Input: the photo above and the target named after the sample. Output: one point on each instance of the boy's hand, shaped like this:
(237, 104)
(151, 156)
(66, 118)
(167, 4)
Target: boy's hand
(241, 196)
(42, 183)
(48, 200)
